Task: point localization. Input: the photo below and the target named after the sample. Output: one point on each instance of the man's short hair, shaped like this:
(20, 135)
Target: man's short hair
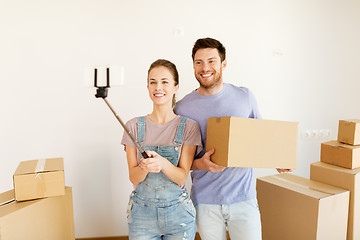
(209, 43)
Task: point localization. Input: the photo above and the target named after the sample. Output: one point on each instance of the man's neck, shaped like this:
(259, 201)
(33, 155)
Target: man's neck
(210, 91)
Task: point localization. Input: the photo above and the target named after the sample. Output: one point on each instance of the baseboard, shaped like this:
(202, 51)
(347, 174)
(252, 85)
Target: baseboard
(105, 238)
(197, 237)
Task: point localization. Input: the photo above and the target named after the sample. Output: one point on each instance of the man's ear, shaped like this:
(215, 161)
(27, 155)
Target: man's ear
(224, 64)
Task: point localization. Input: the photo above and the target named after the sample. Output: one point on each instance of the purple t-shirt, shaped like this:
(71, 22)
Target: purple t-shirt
(233, 184)
(164, 134)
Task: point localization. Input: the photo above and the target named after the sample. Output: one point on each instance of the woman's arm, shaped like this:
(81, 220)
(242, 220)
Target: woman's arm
(136, 174)
(179, 174)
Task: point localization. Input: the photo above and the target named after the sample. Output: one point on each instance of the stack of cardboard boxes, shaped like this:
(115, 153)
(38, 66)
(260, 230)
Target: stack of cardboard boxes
(340, 166)
(291, 207)
(40, 206)
(326, 206)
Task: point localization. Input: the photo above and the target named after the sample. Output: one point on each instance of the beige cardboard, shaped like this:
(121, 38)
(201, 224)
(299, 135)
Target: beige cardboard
(296, 208)
(42, 219)
(247, 142)
(340, 154)
(347, 179)
(39, 178)
(349, 131)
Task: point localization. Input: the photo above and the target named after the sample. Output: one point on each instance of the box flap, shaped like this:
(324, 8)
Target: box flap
(54, 164)
(40, 165)
(335, 143)
(302, 185)
(354, 171)
(7, 197)
(352, 120)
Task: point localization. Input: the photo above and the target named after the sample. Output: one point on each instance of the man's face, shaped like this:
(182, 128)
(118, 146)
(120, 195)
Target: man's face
(208, 67)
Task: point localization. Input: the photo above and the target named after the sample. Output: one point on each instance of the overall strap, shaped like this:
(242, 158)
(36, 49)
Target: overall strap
(141, 129)
(180, 130)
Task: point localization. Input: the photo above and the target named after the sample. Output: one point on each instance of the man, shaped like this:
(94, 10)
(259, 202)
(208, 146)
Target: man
(225, 198)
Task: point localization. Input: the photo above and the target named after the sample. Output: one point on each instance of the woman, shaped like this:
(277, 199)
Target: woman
(160, 207)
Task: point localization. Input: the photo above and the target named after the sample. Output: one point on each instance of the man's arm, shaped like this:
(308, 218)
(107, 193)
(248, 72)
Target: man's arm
(205, 163)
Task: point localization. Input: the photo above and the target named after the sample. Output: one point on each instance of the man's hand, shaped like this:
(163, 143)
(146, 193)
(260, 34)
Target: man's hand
(205, 163)
(283, 170)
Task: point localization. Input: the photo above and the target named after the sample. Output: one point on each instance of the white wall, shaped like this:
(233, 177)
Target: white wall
(300, 58)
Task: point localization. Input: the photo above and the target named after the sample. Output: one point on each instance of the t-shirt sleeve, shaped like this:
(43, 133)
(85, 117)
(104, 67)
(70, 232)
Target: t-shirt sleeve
(192, 135)
(131, 125)
(255, 113)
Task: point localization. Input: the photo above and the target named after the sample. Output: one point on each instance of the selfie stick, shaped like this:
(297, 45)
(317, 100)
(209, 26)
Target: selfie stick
(101, 92)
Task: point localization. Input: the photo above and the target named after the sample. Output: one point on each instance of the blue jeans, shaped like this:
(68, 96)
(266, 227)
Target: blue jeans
(174, 220)
(242, 220)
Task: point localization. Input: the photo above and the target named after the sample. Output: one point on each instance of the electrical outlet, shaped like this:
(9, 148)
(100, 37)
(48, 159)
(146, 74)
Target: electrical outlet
(316, 134)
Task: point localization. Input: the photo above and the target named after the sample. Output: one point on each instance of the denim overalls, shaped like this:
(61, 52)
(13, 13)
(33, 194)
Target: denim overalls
(159, 208)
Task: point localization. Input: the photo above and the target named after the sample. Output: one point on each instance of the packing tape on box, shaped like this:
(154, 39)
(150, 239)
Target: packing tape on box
(38, 177)
(347, 123)
(40, 165)
(40, 185)
(340, 145)
(41, 188)
(303, 186)
(336, 147)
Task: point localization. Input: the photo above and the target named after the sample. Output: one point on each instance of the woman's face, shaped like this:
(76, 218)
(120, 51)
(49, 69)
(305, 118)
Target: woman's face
(161, 85)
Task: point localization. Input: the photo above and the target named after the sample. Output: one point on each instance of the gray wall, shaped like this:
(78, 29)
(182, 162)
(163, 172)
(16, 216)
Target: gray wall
(300, 58)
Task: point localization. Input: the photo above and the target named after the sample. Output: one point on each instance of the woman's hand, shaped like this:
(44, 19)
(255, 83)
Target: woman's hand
(178, 174)
(154, 164)
(136, 174)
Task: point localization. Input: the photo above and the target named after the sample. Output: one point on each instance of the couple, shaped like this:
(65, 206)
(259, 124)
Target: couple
(224, 198)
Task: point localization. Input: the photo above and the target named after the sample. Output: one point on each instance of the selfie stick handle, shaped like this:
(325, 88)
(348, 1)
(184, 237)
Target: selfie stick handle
(143, 153)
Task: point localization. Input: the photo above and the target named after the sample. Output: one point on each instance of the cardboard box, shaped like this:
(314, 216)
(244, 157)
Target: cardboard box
(347, 179)
(247, 142)
(39, 178)
(296, 208)
(340, 154)
(349, 131)
(42, 219)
